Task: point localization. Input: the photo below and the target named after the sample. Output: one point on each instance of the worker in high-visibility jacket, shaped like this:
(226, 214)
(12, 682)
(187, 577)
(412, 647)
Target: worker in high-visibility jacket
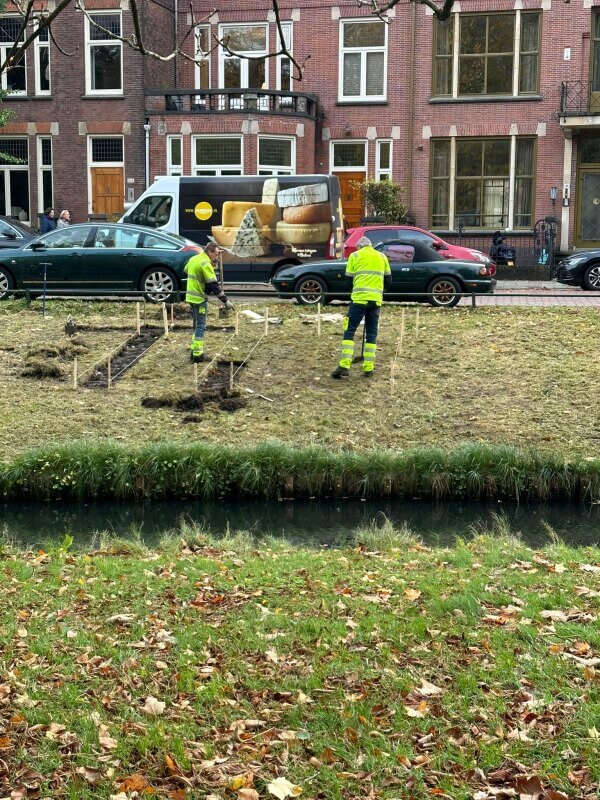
(202, 280)
(371, 274)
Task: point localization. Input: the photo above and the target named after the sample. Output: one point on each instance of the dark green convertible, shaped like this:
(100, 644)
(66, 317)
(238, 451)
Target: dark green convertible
(419, 273)
(98, 258)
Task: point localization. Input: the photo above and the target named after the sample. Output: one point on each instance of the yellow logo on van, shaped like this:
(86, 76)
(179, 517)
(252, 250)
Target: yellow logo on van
(203, 210)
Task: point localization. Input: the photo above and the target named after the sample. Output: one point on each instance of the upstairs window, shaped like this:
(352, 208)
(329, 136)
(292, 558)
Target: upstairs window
(14, 80)
(487, 55)
(245, 40)
(284, 64)
(363, 60)
(202, 48)
(42, 62)
(104, 54)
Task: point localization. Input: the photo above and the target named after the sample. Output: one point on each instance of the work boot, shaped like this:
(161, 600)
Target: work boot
(340, 372)
(198, 358)
(368, 374)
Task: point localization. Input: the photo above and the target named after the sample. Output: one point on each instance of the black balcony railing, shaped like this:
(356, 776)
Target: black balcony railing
(227, 101)
(580, 97)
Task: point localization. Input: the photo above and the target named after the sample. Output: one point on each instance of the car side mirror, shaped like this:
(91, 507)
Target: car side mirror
(38, 246)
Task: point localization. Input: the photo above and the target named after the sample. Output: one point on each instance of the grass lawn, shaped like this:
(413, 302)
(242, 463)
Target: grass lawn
(523, 376)
(224, 671)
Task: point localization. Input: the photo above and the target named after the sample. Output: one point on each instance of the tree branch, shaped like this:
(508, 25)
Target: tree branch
(442, 12)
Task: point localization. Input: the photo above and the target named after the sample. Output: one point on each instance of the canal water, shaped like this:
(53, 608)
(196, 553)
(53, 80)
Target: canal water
(330, 523)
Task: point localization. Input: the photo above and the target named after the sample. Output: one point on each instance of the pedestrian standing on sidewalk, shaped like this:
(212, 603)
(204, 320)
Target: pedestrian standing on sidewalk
(370, 272)
(202, 280)
(64, 219)
(47, 223)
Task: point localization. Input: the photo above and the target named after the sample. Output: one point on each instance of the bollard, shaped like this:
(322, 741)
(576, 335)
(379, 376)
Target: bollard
(137, 319)
(266, 320)
(75, 373)
(473, 301)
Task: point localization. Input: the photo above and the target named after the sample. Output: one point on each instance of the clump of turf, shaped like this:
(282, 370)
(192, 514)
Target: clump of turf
(41, 368)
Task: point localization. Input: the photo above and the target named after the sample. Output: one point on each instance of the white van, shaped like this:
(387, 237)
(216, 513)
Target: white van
(263, 223)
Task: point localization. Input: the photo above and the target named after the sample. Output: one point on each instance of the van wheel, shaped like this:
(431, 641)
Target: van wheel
(159, 285)
(6, 283)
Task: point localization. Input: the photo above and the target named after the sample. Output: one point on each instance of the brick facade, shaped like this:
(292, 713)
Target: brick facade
(409, 115)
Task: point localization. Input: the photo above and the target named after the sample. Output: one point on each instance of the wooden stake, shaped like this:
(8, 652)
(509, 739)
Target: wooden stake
(237, 322)
(144, 313)
(401, 331)
(75, 372)
(417, 324)
(172, 313)
(108, 379)
(266, 320)
(165, 320)
(231, 376)
(137, 319)
(318, 319)
(196, 376)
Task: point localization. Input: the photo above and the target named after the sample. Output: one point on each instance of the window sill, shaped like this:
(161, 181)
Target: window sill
(495, 98)
(119, 96)
(362, 103)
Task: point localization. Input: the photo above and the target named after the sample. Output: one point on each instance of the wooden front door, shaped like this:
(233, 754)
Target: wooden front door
(108, 191)
(352, 204)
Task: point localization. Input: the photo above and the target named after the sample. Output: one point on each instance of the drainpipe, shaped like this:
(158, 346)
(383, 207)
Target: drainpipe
(176, 43)
(147, 150)
(411, 105)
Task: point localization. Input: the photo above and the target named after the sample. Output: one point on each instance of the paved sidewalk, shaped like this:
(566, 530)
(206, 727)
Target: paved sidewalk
(536, 293)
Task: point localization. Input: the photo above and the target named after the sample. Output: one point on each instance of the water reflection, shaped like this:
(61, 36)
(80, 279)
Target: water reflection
(322, 522)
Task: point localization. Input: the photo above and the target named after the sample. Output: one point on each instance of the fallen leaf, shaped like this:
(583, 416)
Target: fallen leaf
(282, 788)
(105, 739)
(153, 707)
(90, 774)
(556, 615)
(429, 689)
(248, 794)
(134, 783)
(412, 594)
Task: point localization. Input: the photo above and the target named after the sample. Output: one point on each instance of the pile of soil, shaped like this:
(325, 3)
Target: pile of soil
(123, 359)
(51, 360)
(213, 390)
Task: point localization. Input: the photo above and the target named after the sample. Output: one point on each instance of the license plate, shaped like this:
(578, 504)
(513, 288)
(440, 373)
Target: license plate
(510, 263)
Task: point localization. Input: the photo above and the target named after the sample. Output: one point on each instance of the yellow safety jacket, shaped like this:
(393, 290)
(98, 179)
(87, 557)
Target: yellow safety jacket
(200, 271)
(368, 267)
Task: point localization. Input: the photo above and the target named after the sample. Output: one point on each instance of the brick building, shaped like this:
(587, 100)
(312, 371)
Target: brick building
(490, 120)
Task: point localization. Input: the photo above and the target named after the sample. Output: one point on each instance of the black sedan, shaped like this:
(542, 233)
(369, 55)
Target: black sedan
(418, 274)
(581, 269)
(97, 259)
(14, 234)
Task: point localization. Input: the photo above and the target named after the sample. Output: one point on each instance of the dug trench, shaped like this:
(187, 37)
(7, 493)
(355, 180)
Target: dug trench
(214, 390)
(123, 359)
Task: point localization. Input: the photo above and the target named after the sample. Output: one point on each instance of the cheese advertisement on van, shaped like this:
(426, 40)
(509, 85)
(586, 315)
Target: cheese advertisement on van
(262, 223)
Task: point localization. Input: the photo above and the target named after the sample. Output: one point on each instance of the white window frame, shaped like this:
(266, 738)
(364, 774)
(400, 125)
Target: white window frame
(174, 169)
(353, 168)
(89, 43)
(379, 170)
(243, 62)
(5, 169)
(92, 164)
(362, 97)
(217, 169)
(516, 55)
(37, 47)
(269, 169)
(42, 168)
(4, 47)
(197, 66)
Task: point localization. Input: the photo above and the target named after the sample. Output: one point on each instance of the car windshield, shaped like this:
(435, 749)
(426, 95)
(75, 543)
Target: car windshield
(6, 225)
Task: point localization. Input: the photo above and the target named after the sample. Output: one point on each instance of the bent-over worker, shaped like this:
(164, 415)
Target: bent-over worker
(202, 280)
(370, 272)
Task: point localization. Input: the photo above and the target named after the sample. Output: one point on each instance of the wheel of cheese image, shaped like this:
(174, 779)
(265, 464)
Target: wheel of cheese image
(234, 212)
(307, 215)
(225, 236)
(303, 234)
(303, 195)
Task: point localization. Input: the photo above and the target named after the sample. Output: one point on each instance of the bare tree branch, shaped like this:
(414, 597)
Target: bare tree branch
(442, 12)
(14, 55)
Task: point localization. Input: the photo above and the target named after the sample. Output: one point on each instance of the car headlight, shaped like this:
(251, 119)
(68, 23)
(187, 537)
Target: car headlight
(572, 261)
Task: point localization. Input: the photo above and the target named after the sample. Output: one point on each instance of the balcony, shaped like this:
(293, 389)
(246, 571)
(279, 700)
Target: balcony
(231, 101)
(580, 99)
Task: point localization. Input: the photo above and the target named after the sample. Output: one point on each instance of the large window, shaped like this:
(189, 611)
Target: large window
(104, 54)
(174, 155)
(245, 40)
(14, 79)
(363, 60)
(487, 54)
(493, 184)
(276, 156)
(217, 155)
(203, 56)
(14, 178)
(42, 62)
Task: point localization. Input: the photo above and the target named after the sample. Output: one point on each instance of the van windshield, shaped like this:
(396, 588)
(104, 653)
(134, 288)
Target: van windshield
(153, 211)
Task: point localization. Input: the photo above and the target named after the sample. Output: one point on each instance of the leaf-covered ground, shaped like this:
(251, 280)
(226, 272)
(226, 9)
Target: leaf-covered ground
(195, 672)
(522, 376)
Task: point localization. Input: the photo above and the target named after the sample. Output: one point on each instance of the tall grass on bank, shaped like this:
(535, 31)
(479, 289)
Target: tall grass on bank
(169, 470)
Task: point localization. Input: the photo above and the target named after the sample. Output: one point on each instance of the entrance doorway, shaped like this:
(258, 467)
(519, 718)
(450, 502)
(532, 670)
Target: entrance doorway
(352, 203)
(587, 209)
(107, 190)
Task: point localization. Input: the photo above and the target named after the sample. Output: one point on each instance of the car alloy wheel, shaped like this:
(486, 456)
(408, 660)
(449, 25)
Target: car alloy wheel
(6, 284)
(592, 277)
(310, 290)
(444, 292)
(158, 285)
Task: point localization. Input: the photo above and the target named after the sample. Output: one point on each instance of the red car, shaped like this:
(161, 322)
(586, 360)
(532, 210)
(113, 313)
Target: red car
(383, 233)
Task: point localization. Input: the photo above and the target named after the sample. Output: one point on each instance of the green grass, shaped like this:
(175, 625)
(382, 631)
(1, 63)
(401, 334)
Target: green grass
(516, 376)
(308, 665)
